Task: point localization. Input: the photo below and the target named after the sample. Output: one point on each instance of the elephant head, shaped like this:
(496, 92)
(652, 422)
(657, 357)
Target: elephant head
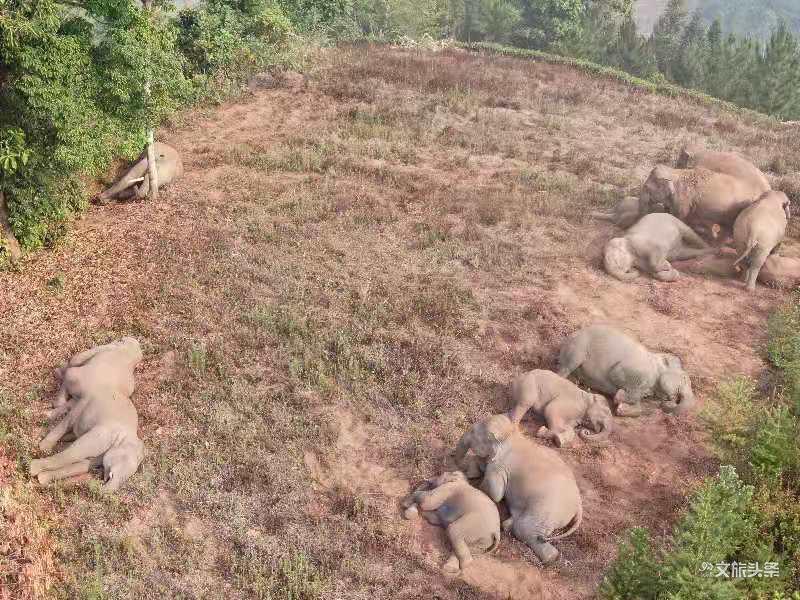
(485, 439)
(658, 191)
(688, 156)
(675, 389)
(619, 260)
(120, 462)
(598, 420)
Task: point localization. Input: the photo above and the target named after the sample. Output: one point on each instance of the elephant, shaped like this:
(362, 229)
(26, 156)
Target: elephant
(613, 363)
(563, 405)
(469, 515)
(699, 197)
(624, 214)
(758, 231)
(96, 386)
(729, 163)
(778, 271)
(649, 245)
(169, 168)
(539, 488)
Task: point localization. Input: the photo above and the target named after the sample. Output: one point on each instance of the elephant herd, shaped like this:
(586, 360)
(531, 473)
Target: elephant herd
(712, 194)
(707, 193)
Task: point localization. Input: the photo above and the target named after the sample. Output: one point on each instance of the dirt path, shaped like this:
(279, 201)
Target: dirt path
(349, 274)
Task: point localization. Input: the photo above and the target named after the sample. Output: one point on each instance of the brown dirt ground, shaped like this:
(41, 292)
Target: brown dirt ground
(350, 273)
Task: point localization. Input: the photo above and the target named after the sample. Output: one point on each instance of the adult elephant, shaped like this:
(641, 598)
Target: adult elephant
(136, 182)
(734, 164)
(537, 485)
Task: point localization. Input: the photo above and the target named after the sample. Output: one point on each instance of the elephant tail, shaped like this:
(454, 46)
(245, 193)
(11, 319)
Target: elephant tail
(750, 247)
(574, 524)
(495, 541)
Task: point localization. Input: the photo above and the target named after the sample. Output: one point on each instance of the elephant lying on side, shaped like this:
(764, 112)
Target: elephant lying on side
(469, 515)
(730, 163)
(758, 231)
(624, 214)
(537, 485)
(563, 405)
(169, 167)
(778, 271)
(698, 197)
(649, 245)
(95, 393)
(615, 364)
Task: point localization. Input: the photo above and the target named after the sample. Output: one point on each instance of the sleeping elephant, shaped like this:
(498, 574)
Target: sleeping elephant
(469, 515)
(650, 245)
(537, 485)
(700, 198)
(693, 156)
(758, 231)
(611, 362)
(563, 405)
(169, 167)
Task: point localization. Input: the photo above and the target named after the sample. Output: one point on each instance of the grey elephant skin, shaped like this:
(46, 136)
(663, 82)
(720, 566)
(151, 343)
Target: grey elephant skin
(734, 164)
(650, 245)
(136, 182)
(624, 213)
(470, 517)
(95, 393)
(539, 488)
(563, 406)
(777, 271)
(699, 197)
(611, 362)
(759, 230)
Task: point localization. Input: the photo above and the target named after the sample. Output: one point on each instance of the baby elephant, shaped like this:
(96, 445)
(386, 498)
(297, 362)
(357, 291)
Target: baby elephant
(613, 363)
(469, 515)
(539, 488)
(563, 405)
(95, 393)
(169, 167)
(758, 231)
(624, 214)
(649, 245)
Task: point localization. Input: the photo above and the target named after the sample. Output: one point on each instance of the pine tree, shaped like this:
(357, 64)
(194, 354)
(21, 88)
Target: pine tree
(779, 85)
(666, 38)
(689, 68)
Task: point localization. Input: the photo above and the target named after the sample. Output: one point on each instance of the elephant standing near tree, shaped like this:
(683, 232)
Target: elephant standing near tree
(734, 164)
(701, 198)
(563, 405)
(650, 245)
(539, 488)
(136, 182)
(96, 386)
(759, 230)
(613, 363)
(469, 515)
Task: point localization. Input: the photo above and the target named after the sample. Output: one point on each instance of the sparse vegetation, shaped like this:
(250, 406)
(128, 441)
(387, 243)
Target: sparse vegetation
(323, 312)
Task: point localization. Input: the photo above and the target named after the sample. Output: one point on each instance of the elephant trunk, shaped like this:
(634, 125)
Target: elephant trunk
(130, 178)
(680, 407)
(603, 216)
(599, 438)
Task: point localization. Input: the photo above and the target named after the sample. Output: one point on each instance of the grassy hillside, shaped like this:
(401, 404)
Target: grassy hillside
(745, 17)
(349, 274)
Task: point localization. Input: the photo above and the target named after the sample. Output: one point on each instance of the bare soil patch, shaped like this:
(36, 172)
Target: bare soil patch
(351, 272)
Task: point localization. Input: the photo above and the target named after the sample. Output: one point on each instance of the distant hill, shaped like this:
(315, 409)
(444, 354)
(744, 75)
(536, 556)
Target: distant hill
(744, 17)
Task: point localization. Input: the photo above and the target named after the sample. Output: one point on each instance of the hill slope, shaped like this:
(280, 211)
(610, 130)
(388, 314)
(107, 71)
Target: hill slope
(349, 275)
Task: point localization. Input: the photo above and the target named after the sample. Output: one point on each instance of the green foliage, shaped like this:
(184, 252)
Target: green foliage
(72, 93)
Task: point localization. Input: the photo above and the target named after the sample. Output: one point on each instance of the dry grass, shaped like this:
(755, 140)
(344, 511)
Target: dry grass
(347, 277)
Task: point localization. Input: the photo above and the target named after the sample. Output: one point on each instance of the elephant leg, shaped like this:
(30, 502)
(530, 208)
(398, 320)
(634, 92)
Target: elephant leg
(684, 253)
(59, 411)
(661, 269)
(624, 407)
(55, 434)
(138, 170)
(527, 530)
(561, 432)
(90, 445)
(431, 517)
(569, 361)
(76, 468)
(459, 544)
(757, 260)
(507, 524)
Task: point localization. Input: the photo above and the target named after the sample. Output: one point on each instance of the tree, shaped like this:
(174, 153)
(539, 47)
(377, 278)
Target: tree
(689, 63)
(499, 19)
(778, 88)
(548, 22)
(666, 38)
